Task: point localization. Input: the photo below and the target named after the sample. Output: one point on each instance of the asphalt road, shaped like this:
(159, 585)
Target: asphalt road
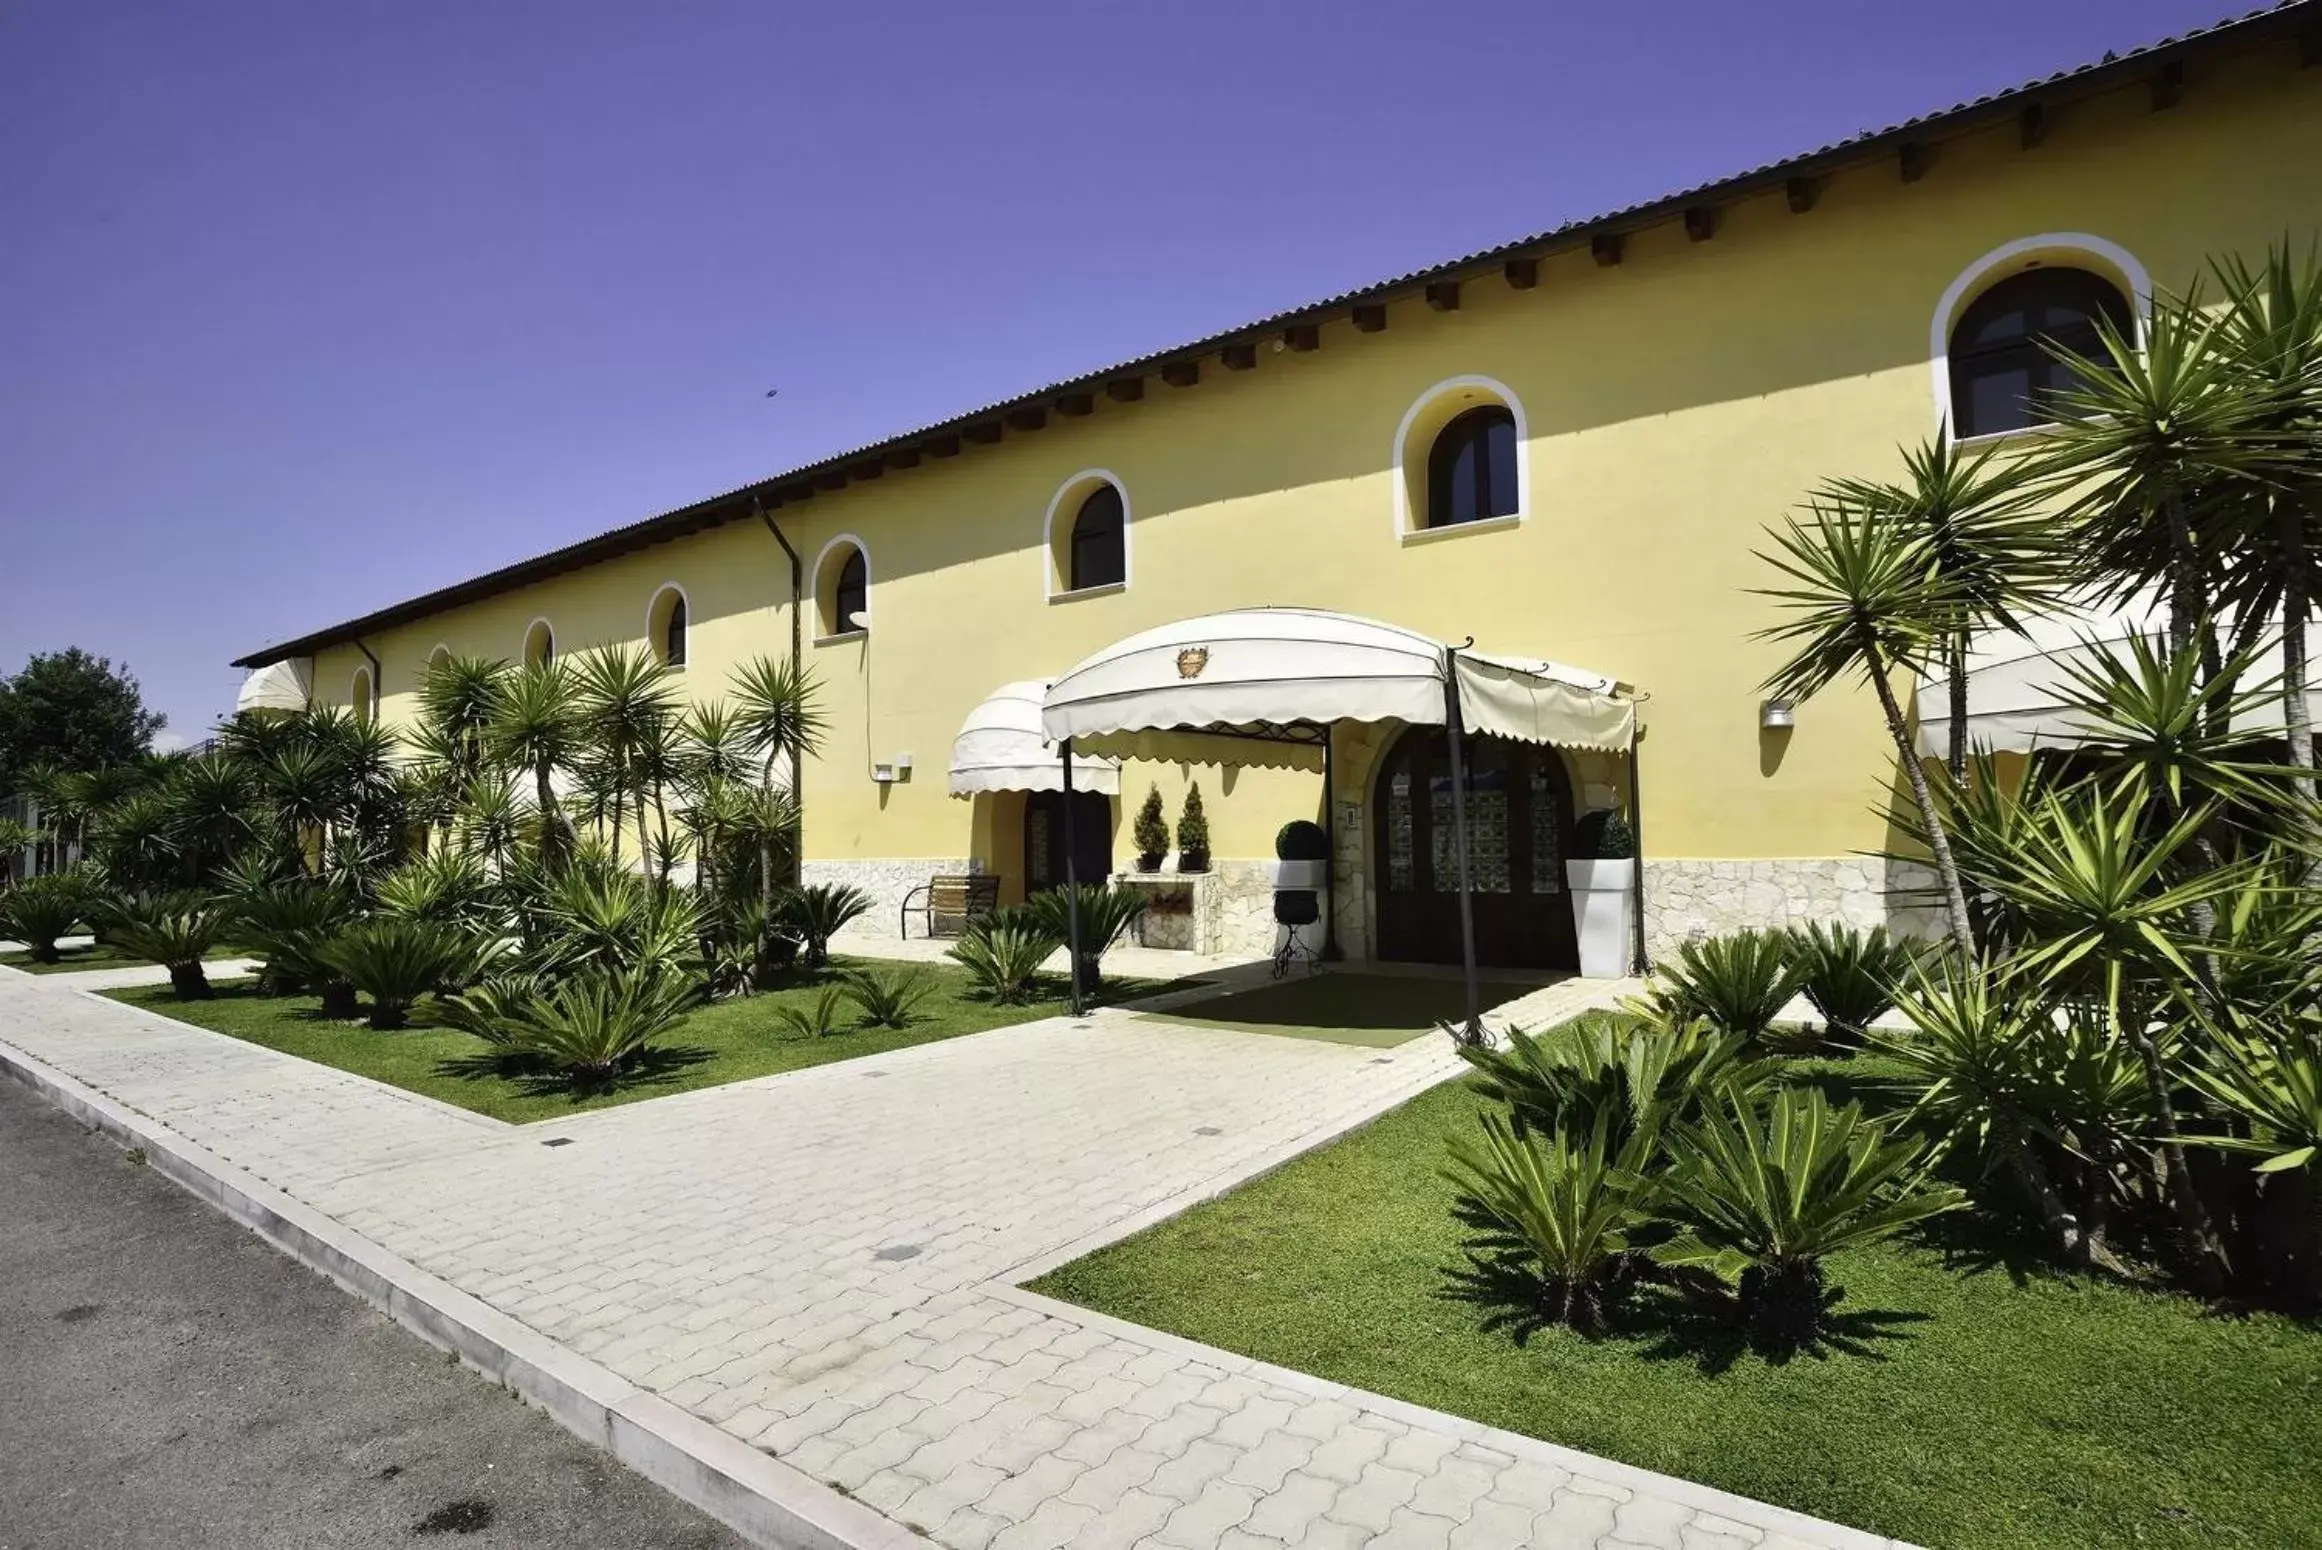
(170, 1382)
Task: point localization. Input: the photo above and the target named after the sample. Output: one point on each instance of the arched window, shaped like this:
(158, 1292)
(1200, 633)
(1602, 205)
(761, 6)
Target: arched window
(1471, 469)
(539, 644)
(362, 698)
(845, 588)
(1099, 557)
(2001, 371)
(666, 621)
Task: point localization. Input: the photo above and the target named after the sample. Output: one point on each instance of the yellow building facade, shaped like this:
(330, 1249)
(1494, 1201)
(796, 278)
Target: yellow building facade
(1676, 379)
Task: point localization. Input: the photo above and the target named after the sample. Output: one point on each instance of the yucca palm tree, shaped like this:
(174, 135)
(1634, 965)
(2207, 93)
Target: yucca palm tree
(2272, 336)
(210, 803)
(536, 727)
(1866, 600)
(459, 698)
(1987, 540)
(2155, 448)
(624, 701)
(16, 837)
(777, 707)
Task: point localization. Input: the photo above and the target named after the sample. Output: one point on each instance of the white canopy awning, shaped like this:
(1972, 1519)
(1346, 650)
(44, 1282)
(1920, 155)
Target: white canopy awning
(2017, 685)
(1253, 685)
(1000, 747)
(277, 686)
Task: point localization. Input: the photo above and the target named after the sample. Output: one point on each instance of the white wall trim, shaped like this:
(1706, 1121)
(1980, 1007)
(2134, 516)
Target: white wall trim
(2012, 258)
(524, 643)
(1404, 527)
(653, 607)
(1083, 485)
(363, 692)
(870, 584)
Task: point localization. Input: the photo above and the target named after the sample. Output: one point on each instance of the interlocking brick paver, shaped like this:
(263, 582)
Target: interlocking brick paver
(719, 1247)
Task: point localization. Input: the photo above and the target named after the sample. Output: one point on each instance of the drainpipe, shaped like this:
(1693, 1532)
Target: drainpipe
(797, 650)
(1638, 963)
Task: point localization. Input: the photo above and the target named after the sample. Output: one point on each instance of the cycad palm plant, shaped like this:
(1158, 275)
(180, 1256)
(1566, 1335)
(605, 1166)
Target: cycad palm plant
(889, 997)
(1634, 1067)
(41, 909)
(597, 1023)
(818, 911)
(1866, 600)
(446, 886)
(396, 961)
(177, 930)
(1771, 1183)
(1738, 983)
(1850, 975)
(1104, 913)
(1003, 954)
(287, 926)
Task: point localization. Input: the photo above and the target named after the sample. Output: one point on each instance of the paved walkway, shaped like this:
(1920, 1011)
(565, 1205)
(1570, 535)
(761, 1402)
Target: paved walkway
(824, 1264)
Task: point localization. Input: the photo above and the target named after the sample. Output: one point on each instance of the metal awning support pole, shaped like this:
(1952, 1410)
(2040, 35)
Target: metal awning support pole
(1455, 730)
(1330, 948)
(1071, 881)
(1637, 964)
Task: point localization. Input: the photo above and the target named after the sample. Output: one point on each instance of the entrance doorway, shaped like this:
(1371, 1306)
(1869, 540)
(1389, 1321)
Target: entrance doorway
(1519, 830)
(1092, 837)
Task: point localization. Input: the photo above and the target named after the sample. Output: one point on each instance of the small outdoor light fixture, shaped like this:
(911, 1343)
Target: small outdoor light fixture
(1777, 715)
(903, 766)
(884, 774)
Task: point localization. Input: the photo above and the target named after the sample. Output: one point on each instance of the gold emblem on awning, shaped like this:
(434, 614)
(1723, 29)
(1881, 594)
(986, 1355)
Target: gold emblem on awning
(1191, 661)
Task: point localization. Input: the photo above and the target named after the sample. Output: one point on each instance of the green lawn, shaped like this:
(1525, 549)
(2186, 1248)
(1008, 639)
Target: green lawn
(728, 1041)
(96, 955)
(1983, 1401)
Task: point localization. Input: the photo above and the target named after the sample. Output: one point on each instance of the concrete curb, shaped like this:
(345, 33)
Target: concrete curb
(759, 1497)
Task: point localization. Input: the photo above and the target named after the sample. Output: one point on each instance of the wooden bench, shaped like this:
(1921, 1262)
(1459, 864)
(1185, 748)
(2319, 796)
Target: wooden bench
(947, 904)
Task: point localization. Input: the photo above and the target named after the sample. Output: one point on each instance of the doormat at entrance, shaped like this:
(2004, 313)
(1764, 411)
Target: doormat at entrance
(1370, 1011)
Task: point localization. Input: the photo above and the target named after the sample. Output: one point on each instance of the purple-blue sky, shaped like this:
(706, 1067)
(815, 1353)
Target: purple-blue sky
(307, 308)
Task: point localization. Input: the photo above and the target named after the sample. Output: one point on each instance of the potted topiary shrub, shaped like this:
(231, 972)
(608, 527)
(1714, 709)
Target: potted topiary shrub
(1151, 833)
(1192, 833)
(1602, 875)
(1302, 849)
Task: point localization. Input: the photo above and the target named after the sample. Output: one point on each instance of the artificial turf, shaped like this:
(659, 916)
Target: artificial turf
(1980, 1399)
(725, 1041)
(1369, 1011)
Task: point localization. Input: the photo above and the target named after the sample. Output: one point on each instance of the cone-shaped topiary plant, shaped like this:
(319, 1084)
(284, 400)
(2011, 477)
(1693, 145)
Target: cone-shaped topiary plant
(1152, 833)
(1192, 833)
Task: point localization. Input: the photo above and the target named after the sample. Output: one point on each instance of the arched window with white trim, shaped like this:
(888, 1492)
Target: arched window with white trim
(1461, 460)
(2004, 369)
(668, 623)
(1471, 469)
(1099, 555)
(539, 643)
(842, 588)
(363, 695)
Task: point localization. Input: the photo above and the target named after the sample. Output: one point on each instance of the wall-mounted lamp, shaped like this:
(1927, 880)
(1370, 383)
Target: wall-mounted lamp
(884, 774)
(1777, 715)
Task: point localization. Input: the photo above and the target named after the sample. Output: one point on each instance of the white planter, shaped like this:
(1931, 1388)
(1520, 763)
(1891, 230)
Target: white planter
(1603, 899)
(1311, 875)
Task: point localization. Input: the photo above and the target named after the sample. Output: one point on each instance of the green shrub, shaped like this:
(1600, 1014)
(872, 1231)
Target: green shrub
(817, 912)
(816, 1019)
(286, 925)
(1302, 839)
(39, 910)
(1104, 913)
(1849, 975)
(1569, 1209)
(1192, 833)
(597, 1023)
(1604, 835)
(395, 962)
(1151, 832)
(446, 886)
(176, 930)
(603, 916)
(1738, 983)
(888, 997)
(1640, 1070)
(1003, 954)
(1768, 1184)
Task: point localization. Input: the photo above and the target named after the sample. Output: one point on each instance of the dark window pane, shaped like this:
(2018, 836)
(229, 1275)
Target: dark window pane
(673, 638)
(848, 598)
(2001, 373)
(1098, 556)
(1471, 470)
